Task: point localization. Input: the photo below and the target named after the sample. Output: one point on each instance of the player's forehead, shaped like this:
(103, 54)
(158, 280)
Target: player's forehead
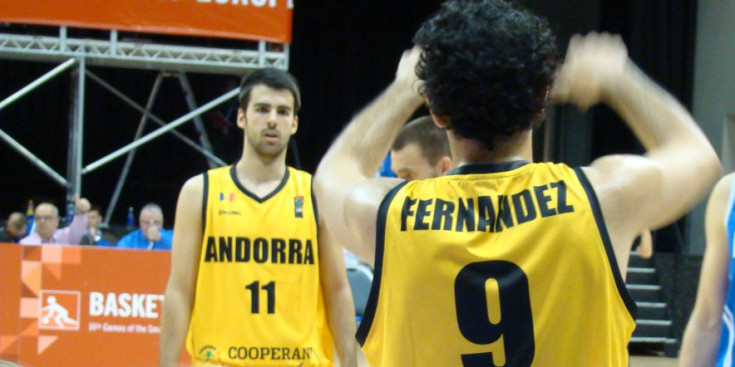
(262, 94)
(409, 155)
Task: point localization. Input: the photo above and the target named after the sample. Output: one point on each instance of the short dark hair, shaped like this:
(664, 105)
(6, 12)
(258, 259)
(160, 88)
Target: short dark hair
(430, 138)
(272, 78)
(96, 208)
(486, 67)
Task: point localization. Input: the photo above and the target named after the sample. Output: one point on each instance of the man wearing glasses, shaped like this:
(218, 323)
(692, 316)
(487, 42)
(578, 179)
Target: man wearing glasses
(47, 225)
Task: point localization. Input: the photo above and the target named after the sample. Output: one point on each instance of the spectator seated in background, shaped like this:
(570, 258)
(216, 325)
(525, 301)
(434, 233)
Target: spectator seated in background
(150, 235)
(14, 229)
(46, 217)
(94, 235)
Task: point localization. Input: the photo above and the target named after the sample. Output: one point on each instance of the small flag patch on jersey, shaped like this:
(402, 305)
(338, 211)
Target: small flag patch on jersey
(230, 197)
(298, 206)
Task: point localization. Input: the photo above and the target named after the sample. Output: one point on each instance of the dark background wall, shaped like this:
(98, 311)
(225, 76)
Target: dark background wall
(343, 54)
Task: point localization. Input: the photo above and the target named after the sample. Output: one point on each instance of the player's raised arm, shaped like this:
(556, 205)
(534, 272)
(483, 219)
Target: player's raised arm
(680, 165)
(357, 153)
(179, 296)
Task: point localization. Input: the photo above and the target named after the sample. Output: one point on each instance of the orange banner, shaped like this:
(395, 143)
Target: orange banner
(268, 20)
(78, 306)
(10, 260)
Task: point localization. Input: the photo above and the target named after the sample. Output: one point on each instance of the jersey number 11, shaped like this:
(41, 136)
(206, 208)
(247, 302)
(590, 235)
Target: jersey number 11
(270, 290)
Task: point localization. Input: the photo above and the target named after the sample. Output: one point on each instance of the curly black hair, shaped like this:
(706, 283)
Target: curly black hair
(486, 67)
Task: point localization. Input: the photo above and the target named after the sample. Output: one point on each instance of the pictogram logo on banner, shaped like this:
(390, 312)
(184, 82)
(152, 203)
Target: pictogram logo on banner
(59, 310)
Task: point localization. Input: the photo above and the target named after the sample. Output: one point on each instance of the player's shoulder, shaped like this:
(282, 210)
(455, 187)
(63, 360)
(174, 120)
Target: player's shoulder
(194, 186)
(725, 184)
(722, 196)
(623, 174)
(366, 197)
(218, 171)
(298, 173)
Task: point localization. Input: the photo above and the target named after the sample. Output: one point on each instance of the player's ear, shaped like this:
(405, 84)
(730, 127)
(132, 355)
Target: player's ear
(445, 164)
(439, 121)
(295, 125)
(241, 121)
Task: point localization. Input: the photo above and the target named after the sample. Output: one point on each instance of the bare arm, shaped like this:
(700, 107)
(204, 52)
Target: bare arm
(356, 154)
(702, 335)
(179, 296)
(645, 248)
(637, 192)
(73, 234)
(337, 297)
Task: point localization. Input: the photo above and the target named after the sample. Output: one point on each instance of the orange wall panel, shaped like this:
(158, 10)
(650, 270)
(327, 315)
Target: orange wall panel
(82, 306)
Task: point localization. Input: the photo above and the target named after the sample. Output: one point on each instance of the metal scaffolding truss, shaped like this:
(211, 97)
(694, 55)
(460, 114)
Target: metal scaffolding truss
(139, 55)
(170, 60)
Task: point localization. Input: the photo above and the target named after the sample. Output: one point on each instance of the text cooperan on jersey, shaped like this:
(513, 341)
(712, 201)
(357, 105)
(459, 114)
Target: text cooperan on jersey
(485, 213)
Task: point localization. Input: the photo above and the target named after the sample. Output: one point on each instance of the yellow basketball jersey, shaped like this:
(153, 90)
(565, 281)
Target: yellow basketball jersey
(496, 265)
(258, 294)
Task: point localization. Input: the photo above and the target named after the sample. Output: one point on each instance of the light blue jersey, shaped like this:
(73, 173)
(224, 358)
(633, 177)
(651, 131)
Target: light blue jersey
(727, 340)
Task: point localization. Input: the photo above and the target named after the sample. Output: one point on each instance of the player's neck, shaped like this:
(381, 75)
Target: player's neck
(256, 169)
(471, 151)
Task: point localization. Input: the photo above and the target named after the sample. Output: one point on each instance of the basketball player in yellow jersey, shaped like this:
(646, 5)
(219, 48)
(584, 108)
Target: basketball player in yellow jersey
(250, 279)
(503, 262)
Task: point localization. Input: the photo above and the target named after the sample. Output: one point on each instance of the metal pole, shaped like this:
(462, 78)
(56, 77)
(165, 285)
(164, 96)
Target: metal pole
(62, 39)
(198, 123)
(153, 117)
(113, 42)
(287, 51)
(172, 125)
(79, 128)
(131, 155)
(261, 53)
(76, 139)
(33, 159)
(33, 85)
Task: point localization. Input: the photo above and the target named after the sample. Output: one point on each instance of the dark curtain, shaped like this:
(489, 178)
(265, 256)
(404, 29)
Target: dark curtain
(344, 54)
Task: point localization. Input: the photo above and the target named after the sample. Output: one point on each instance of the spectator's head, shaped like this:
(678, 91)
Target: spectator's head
(46, 217)
(151, 215)
(17, 224)
(487, 67)
(269, 103)
(421, 150)
(94, 217)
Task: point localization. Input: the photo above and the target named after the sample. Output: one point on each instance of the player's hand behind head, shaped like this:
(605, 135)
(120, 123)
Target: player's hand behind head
(593, 63)
(406, 72)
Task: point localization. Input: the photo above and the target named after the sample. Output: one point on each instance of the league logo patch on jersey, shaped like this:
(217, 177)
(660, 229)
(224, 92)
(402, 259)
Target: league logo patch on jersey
(298, 206)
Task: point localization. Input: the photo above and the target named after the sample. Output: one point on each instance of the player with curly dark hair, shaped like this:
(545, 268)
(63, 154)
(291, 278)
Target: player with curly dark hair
(490, 75)
(503, 262)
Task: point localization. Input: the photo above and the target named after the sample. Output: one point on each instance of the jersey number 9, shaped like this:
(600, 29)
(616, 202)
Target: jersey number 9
(513, 329)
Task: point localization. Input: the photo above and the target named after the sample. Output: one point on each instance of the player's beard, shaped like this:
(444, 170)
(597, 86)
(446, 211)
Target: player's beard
(264, 148)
